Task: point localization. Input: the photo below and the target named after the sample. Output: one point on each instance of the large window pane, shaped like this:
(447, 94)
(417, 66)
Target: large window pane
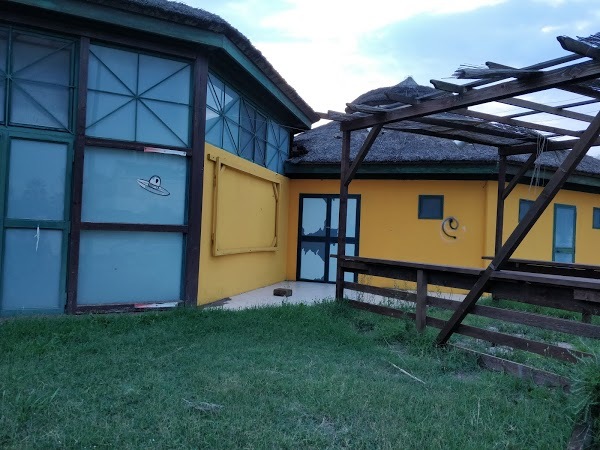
(314, 214)
(351, 217)
(124, 267)
(133, 187)
(138, 97)
(36, 180)
(39, 104)
(31, 273)
(312, 261)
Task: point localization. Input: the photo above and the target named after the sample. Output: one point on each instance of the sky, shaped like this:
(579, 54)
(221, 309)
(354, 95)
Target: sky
(332, 51)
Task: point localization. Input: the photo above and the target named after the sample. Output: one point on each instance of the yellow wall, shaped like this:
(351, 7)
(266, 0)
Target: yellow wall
(390, 228)
(246, 219)
(538, 244)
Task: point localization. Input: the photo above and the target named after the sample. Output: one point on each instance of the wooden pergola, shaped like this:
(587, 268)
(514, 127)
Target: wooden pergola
(462, 112)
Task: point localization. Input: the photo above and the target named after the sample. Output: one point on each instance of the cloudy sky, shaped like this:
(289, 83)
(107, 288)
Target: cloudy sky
(331, 51)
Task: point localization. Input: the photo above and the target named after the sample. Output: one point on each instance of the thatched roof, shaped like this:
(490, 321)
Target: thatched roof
(186, 15)
(322, 145)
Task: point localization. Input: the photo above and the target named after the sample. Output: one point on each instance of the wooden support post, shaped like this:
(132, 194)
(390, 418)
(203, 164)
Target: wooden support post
(344, 170)
(500, 204)
(421, 318)
(545, 198)
(77, 181)
(586, 317)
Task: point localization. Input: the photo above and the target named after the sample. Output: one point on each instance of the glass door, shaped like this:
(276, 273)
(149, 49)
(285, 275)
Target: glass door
(318, 234)
(565, 218)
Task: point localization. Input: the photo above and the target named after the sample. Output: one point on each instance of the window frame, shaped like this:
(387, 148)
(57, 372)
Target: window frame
(72, 86)
(596, 214)
(425, 197)
(522, 213)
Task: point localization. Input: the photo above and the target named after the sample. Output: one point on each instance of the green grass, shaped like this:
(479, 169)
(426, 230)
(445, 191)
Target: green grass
(289, 377)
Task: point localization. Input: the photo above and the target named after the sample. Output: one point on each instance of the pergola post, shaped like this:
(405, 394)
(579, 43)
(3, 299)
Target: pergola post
(341, 251)
(544, 199)
(500, 204)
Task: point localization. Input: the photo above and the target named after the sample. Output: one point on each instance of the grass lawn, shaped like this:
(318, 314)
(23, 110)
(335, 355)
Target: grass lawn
(289, 377)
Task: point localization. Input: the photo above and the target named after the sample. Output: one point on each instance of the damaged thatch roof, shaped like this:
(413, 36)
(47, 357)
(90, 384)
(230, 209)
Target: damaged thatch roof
(186, 15)
(322, 145)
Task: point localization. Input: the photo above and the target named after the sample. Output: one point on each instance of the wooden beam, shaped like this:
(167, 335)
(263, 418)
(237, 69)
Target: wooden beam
(552, 79)
(519, 123)
(539, 377)
(579, 47)
(554, 110)
(196, 183)
(541, 203)
(515, 180)
(550, 146)
(461, 89)
(345, 167)
(500, 203)
(77, 181)
(362, 154)
(495, 73)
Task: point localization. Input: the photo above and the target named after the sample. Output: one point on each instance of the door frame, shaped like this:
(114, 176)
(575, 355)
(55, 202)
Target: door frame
(327, 239)
(6, 136)
(554, 248)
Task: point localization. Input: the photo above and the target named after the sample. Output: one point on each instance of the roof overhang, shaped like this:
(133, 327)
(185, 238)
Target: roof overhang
(177, 31)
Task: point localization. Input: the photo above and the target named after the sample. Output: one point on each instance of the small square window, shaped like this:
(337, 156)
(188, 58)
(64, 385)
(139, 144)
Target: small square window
(524, 207)
(431, 206)
(596, 221)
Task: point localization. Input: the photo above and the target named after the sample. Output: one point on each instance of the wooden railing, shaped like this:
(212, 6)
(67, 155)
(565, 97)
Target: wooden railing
(563, 292)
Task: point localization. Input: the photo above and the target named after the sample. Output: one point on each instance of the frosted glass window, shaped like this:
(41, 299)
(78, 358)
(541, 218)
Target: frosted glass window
(351, 217)
(128, 267)
(564, 223)
(350, 251)
(278, 140)
(137, 97)
(133, 187)
(41, 81)
(31, 279)
(314, 214)
(233, 124)
(312, 261)
(36, 180)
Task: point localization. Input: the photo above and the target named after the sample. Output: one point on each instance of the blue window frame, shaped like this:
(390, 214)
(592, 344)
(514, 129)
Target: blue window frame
(431, 206)
(36, 80)
(235, 125)
(596, 218)
(138, 97)
(524, 207)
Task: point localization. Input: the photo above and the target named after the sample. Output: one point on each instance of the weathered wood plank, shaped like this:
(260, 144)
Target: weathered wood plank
(522, 371)
(524, 318)
(550, 79)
